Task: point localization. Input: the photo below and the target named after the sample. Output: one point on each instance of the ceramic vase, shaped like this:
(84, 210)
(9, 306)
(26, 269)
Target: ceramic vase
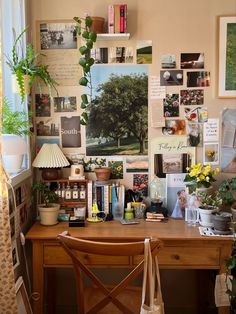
(206, 217)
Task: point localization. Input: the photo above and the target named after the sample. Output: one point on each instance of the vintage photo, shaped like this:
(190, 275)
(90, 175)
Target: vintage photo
(121, 55)
(100, 55)
(170, 163)
(198, 79)
(192, 60)
(171, 105)
(47, 127)
(39, 142)
(65, 104)
(137, 164)
(194, 134)
(42, 105)
(121, 102)
(168, 62)
(211, 153)
(192, 97)
(15, 257)
(117, 169)
(174, 127)
(58, 35)
(70, 132)
(171, 77)
(140, 184)
(144, 52)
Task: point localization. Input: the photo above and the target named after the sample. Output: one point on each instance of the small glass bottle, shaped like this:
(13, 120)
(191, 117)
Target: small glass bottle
(75, 192)
(63, 191)
(68, 192)
(82, 193)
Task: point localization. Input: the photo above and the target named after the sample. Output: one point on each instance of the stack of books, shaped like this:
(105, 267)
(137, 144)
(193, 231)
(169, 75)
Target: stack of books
(117, 18)
(154, 217)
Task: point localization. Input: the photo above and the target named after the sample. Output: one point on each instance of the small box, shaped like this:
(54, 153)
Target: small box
(76, 222)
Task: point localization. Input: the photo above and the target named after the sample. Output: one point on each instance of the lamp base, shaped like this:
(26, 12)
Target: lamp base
(50, 174)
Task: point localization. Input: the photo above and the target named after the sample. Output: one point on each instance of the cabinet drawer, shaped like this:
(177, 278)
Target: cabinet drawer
(184, 256)
(55, 255)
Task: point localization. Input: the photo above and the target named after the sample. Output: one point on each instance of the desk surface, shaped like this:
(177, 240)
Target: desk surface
(172, 230)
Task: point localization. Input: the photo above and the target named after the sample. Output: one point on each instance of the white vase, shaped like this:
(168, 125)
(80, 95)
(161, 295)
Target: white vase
(206, 217)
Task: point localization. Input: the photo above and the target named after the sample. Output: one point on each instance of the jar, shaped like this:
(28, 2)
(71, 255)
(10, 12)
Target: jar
(129, 213)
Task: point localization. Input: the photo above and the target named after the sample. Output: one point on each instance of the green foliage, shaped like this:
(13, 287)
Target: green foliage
(231, 57)
(48, 196)
(210, 201)
(28, 63)
(85, 61)
(14, 122)
(121, 109)
(227, 188)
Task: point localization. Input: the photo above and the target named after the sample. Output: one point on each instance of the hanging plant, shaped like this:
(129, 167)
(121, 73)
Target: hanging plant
(83, 26)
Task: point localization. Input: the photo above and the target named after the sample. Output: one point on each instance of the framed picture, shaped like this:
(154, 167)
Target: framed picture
(22, 299)
(170, 163)
(227, 57)
(211, 153)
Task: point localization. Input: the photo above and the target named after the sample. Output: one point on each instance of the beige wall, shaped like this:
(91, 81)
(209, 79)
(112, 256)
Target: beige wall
(173, 26)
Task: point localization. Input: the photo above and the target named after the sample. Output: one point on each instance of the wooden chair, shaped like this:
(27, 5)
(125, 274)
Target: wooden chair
(74, 245)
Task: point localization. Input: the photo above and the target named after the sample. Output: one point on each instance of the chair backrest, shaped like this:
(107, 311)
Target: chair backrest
(74, 245)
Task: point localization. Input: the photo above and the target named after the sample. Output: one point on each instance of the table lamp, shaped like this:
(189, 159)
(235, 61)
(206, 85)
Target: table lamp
(50, 157)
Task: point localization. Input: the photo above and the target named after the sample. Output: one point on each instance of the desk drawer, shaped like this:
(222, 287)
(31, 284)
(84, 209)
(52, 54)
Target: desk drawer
(184, 256)
(55, 255)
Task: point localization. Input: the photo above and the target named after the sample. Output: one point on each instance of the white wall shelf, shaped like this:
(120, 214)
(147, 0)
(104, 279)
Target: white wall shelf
(116, 36)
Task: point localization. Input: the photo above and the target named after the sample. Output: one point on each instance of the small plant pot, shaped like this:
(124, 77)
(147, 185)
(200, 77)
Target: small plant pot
(206, 217)
(103, 174)
(98, 24)
(221, 221)
(48, 215)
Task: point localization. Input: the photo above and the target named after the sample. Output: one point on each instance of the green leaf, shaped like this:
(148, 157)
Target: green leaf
(88, 21)
(93, 36)
(83, 50)
(89, 44)
(86, 69)
(85, 34)
(82, 61)
(84, 98)
(90, 61)
(83, 105)
(77, 19)
(83, 81)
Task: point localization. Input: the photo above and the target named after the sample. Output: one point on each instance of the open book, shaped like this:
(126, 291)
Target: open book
(229, 136)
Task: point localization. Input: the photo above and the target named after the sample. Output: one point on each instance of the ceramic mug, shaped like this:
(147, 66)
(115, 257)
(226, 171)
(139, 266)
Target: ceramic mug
(139, 209)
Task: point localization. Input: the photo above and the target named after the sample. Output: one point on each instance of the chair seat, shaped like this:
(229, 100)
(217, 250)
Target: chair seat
(131, 296)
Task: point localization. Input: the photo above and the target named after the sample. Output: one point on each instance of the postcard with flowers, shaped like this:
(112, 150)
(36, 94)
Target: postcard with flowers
(171, 105)
(43, 105)
(211, 153)
(140, 184)
(192, 97)
(116, 169)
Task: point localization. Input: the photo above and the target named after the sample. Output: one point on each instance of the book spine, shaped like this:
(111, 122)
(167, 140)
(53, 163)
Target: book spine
(125, 18)
(110, 200)
(122, 18)
(111, 19)
(114, 199)
(106, 199)
(99, 197)
(117, 18)
(102, 198)
(90, 198)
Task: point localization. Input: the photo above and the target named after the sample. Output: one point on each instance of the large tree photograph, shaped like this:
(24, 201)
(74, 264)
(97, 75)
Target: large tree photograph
(118, 113)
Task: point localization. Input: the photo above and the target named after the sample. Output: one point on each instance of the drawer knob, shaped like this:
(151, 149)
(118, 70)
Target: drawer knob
(176, 257)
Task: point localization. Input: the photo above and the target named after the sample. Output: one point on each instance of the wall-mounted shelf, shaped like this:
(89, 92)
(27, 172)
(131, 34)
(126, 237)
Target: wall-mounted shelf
(116, 36)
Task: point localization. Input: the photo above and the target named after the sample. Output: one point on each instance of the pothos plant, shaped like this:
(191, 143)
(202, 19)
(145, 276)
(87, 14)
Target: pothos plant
(27, 62)
(83, 26)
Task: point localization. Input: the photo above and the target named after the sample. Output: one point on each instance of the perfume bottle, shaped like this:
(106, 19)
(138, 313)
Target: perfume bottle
(75, 192)
(68, 192)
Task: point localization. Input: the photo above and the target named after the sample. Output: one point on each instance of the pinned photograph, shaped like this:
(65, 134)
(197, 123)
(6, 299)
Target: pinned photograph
(198, 79)
(40, 142)
(121, 55)
(171, 77)
(100, 55)
(174, 127)
(168, 62)
(196, 114)
(192, 60)
(47, 128)
(58, 35)
(43, 105)
(116, 169)
(140, 184)
(137, 164)
(194, 134)
(144, 52)
(192, 97)
(15, 257)
(65, 104)
(70, 132)
(211, 153)
(171, 105)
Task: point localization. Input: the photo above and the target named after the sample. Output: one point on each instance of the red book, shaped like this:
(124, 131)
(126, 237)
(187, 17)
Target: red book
(122, 18)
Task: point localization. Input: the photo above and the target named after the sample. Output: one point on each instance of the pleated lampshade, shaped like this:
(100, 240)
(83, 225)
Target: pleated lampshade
(50, 156)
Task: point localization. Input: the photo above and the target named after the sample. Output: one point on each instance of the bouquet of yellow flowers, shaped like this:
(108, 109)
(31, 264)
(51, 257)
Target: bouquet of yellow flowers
(201, 175)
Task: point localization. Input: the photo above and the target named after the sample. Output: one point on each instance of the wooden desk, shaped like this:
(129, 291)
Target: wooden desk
(184, 248)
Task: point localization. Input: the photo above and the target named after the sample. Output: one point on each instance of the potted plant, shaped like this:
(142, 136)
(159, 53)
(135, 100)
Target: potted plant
(48, 210)
(89, 37)
(227, 189)
(27, 69)
(201, 176)
(15, 125)
(209, 204)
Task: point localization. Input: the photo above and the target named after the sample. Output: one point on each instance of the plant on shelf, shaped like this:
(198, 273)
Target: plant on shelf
(200, 175)
(28, 64)
(14, 122)
(86, 61)
(227, 189)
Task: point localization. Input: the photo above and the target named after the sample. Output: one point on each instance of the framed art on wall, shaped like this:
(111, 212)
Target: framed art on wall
(227, 57)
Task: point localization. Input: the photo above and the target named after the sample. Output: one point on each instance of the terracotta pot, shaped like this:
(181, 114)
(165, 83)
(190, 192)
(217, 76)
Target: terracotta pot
(98, 24)
(103, 174)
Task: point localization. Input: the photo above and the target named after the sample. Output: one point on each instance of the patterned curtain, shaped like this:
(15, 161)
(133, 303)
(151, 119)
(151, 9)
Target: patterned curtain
(7, 280)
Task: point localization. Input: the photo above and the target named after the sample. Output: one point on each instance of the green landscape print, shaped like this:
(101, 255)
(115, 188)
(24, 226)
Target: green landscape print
(144, 52)
(118, 114)
(230, 81)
